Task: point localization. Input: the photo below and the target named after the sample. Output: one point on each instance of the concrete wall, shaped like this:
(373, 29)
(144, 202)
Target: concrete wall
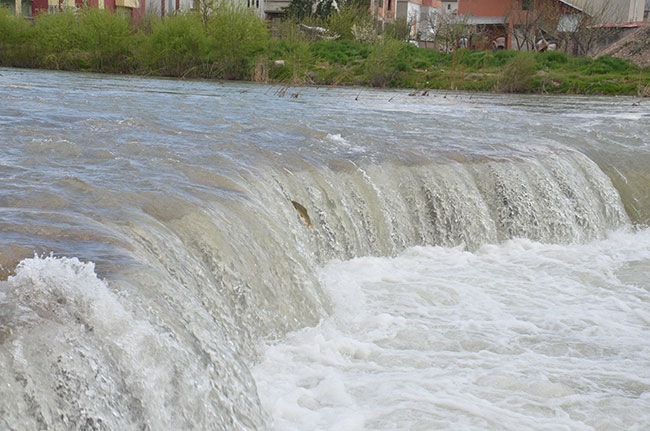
(617, 10)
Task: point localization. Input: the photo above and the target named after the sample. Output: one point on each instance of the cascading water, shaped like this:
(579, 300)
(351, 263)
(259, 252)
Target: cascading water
(177, 254)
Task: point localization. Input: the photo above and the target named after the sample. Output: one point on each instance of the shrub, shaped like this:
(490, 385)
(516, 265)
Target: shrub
(398, 29)
(58, 44)
(353, 22)
(384, 62)
(298, 62)
(517, 76)
(176, 47)
(235, 38)
(15, 40)
(104, 37)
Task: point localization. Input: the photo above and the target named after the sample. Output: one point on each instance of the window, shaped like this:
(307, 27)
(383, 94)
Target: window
(527, 4)
(389, 4)
(448, 6)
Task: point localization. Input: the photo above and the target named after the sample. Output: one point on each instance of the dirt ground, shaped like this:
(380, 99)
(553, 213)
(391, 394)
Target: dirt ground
(634, 47)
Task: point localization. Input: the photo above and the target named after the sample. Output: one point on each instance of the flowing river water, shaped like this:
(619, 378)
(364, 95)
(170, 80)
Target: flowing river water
(474, 261)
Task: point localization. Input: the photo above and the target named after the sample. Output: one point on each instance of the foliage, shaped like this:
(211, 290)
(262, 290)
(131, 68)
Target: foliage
(176, 46)
(603, 65)
(398, 29)
(384, 62)
(343, 52)
(58, 47)
(444, 29)
(233, 44)
(517, 76)
(104, 38)
(353, 22)
(299, 9)
(15, 41)
(235, 38)
(298, 62)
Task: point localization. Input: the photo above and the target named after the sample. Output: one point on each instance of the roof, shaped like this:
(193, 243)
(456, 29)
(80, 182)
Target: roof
(572, 4)
(633, 24)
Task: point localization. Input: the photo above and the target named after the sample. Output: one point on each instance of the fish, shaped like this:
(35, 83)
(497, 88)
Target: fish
(303, 212)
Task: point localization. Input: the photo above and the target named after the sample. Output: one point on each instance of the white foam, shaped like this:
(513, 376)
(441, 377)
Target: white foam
(514, 336)
(343, 143)
(71, 334)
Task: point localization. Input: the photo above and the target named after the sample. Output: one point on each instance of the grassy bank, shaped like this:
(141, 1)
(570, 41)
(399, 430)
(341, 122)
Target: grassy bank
(232, 44)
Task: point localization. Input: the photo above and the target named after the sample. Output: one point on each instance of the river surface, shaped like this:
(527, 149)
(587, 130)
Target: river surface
(180, 255)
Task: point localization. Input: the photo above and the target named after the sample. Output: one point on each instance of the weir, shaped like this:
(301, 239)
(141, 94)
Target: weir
(166, 340)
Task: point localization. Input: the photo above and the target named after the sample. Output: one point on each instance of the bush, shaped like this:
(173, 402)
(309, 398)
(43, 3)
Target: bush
(15, 40)
(517, 76)
(384, 62)
(351, 17)
(58, 44)
(398, 29)
(235, 38)
(104, 37)
(177, 46)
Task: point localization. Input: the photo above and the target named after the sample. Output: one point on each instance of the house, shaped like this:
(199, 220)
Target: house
(133, 8)
(618, 11)
(515, 19)
(18, 7)
(414, 11)
(165, 7)
(450, 6)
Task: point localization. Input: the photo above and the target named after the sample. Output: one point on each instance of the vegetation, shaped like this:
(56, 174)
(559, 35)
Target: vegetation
(224, 41)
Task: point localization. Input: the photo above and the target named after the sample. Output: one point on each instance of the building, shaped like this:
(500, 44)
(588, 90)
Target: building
(132, 8)
(450, 6)
(618, 11)
(18, 7)
(503, 18)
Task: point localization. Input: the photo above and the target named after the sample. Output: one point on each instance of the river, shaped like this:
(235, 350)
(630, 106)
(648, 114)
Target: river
(180, 255)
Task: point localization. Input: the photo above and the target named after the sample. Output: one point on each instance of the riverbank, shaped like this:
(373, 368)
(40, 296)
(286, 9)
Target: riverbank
(232, 44)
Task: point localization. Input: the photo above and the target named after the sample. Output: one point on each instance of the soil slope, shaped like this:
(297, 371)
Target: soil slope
(634, 47)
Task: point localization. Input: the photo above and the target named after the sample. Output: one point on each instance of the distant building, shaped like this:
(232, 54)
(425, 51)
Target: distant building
(165, 7)
(414, 11)
(498, 17)
(450, 6)
(18, 7)
(132, 8)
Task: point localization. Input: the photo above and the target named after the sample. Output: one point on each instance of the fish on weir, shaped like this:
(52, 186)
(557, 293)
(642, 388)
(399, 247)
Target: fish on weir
(303, 212)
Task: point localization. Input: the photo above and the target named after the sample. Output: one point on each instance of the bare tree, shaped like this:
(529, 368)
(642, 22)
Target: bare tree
(523, 19)
(446, 30)
(587, 28)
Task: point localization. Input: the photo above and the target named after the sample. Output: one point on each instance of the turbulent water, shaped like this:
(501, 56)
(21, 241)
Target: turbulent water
(465, 262)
